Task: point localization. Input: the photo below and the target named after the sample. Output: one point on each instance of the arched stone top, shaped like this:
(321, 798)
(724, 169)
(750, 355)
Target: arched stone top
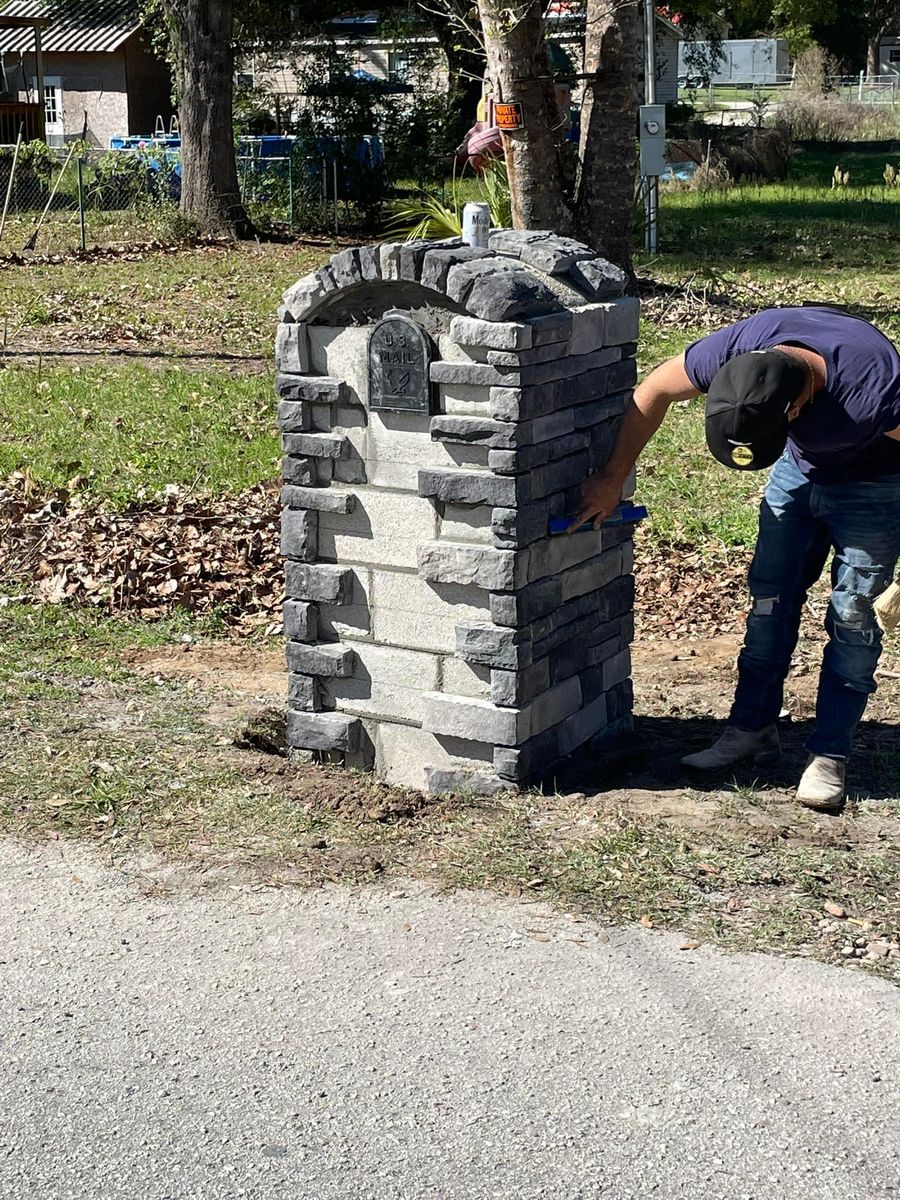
(521, 274)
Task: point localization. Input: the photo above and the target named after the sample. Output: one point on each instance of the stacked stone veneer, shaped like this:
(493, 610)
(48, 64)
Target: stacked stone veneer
(434, 630)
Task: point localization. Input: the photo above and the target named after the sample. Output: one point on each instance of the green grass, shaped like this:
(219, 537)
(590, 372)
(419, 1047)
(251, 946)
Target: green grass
(206, 300)
(125, 432)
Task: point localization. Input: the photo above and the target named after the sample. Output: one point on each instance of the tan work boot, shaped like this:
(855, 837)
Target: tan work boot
(761, 746)
(822, 783)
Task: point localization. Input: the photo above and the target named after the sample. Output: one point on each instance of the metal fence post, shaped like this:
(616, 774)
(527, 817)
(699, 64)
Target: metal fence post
(862, 78)
(336, 220)
(81, 202)
(291, 190)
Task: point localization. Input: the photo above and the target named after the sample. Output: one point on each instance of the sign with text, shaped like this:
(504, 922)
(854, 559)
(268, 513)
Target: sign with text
(509, 116)
(399, 361)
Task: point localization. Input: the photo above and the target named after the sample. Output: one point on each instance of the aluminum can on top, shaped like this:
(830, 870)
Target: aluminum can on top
(476, 224)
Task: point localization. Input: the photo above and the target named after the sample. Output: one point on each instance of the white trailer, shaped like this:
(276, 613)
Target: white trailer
(743, 62)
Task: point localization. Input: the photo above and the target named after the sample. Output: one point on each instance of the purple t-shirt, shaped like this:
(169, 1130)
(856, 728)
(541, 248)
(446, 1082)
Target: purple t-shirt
(839, 436)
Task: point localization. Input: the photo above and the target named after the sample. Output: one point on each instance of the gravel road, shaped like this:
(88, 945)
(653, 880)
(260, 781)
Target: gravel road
(376, 1045)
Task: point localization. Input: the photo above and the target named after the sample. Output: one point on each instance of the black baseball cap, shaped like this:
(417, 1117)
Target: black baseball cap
(747, 406)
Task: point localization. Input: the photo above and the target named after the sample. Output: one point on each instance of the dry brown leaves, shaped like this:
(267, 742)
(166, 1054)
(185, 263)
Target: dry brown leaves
(185, 552)
(684, 592)
(204, 554)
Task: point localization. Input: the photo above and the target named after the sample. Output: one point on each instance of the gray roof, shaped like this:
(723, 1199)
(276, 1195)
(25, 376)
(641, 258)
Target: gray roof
(93, 25)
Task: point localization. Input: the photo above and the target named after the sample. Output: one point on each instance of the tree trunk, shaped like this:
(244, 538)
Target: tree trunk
(201, 33)
(873, 54)
(519, 71)
(608, 150)
(465, 68)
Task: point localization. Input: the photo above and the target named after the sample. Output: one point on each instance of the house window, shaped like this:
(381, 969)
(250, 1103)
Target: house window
(894, 55)
(399, 66)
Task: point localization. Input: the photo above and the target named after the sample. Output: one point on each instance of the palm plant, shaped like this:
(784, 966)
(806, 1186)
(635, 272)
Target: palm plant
(434, 216)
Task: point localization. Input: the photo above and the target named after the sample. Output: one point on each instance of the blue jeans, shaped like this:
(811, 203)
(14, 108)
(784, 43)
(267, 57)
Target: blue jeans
(800, 523)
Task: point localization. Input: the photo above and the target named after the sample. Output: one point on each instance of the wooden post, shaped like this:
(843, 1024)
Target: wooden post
(39, 75)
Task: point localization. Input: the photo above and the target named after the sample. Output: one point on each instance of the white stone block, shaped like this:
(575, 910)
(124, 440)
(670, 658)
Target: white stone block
(400, 609)
(466, 523)
(340, 351)
(385, 529)
(403, 752)
(292, 349)
(460, 678)
(451, 351)
(464, 399)
(385, 682)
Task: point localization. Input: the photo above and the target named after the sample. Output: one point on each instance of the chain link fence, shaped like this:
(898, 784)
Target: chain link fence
(55, 201)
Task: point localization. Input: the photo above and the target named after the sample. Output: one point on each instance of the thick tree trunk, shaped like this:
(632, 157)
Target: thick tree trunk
(608, 150)
(201, 32)
(517, 62)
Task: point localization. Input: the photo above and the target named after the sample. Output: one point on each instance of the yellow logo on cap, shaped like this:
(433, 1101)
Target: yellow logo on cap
(742, 456)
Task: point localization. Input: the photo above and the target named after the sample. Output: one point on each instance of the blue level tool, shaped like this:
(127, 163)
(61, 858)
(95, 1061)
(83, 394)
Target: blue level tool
(625, 514)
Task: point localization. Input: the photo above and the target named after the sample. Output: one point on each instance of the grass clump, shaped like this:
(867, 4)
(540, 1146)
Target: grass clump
(122, 433)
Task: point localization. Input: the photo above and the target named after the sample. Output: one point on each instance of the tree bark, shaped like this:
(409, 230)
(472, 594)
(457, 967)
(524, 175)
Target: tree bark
(201, 35)
(873, 53)
(519, 71)
(608, 149)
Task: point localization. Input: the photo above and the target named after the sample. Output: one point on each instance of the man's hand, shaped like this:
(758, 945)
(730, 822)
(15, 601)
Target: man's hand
(600, 495)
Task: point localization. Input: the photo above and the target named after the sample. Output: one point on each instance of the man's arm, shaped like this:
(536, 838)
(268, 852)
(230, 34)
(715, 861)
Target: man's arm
(662, 387)
(894, 433)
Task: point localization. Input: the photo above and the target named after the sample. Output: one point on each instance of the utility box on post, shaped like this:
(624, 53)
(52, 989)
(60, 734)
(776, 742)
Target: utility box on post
(653, 139)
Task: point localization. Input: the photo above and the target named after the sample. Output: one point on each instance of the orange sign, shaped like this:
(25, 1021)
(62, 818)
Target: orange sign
(508, 116)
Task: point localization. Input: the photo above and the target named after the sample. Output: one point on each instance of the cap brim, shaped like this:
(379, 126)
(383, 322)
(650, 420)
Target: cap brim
(762, 452)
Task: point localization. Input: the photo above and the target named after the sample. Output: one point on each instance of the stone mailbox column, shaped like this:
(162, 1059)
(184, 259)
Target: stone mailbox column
(439, 404)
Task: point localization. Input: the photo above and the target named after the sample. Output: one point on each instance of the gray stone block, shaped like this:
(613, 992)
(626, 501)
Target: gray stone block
(345, 268)
(620, 700)
(293, 416)
(470, 374)
(566, 367)
(598, 412)
(517, 688)
(319, 499)
(412, 255)
(299, 535)
(303, 693)
(331, 660)
(526, 358)
(323, 583)
(301, 621)
(553, 327)
(541, 249)
(292, 348)
(505, 403)
(389, 259)
(582, 726)
(555, 477)
(479, 431)
(527, 604)
(440, 781)
(323, 731)
(436, 264)
(491, 646)
(307, 294)
(469, 331)
(514, 528)
(461, 278)
(458, 562)
(317, 445)
(622, 375)
(299, 471)
(521, 763)
(527, 458)
(598, 279)
(467, 487)
(505, 296)
(315, 389)
(370, 262)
